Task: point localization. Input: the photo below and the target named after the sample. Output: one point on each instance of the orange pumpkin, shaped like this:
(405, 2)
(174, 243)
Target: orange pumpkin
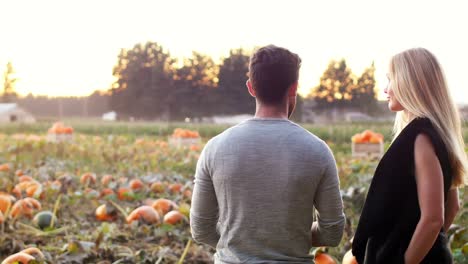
(136, 184)
(88, 178)
(106, 179)
(324, 258)
(188, 194)
(144, 213)
(175, 187)
(367, 136)
(124, 193)
(103, 213)
(19, 173)
(5, 202)
(157, 187)
(35, 190)
(106, 192)
(35, 252)
(30, 188)
(25, 207)
(5, 167)
(173, 217)
(24, 178)
(163, 206)
(20, 257)
(68, 130)
(348, 258)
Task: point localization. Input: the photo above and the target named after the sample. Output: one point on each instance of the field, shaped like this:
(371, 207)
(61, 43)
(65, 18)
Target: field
(143, 167)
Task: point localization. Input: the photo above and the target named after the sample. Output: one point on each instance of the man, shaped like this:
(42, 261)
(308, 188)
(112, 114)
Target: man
(257, 183)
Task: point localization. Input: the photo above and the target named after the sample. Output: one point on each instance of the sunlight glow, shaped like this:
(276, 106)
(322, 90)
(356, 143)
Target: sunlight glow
(70, 47)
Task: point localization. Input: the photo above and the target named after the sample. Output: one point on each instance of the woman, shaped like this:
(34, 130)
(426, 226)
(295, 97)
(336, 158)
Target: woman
(413, 197)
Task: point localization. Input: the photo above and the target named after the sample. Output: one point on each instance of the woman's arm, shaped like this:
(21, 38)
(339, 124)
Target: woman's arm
(430, 187)
(451, 208)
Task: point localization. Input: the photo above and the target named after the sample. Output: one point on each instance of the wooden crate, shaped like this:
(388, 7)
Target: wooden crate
(183, 142)
(52, 137)
(367, 149)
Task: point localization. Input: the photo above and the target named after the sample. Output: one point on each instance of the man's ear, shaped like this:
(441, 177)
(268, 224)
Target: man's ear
(250, 88)
(293, 89)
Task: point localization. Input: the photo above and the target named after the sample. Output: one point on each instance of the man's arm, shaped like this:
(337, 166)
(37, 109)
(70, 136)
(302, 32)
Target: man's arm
(204, 210)
(328, 229)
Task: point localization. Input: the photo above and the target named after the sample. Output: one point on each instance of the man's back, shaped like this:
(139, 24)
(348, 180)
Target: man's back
(265, 175)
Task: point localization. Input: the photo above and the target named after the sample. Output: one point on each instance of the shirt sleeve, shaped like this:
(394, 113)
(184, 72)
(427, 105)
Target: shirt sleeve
(328, 229)
(204, 209)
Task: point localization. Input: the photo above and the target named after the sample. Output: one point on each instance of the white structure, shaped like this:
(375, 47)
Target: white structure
(230, 120)
(109, 116)
(11, 112)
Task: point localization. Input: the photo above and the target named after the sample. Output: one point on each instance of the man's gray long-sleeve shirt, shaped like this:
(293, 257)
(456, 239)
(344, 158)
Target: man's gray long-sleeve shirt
(256, 187)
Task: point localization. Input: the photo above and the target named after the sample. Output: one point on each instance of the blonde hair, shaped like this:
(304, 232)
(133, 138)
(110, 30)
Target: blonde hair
(420, 87)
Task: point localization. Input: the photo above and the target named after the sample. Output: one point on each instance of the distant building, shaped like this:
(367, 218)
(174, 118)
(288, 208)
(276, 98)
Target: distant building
(11, 112)
(464, 112)
(227, 120)
(311, 113)
(109, 116)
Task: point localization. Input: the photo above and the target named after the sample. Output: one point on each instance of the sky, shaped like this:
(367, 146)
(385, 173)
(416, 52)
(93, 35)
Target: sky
(60, 47)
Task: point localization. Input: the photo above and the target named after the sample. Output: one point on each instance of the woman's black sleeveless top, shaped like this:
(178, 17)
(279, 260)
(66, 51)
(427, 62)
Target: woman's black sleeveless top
(391, 211)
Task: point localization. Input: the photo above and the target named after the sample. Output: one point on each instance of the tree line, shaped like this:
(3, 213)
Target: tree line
(151, 84)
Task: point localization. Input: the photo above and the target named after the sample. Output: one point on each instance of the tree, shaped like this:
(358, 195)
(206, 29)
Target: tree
(9, 94)
(335, 86)
(144, 78)
(364, 93)
(232, 93)
(339, 88)
(195, 83)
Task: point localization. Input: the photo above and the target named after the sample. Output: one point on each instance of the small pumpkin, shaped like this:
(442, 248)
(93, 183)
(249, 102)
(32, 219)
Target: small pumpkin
(106, 213)
(88, 178)
(173, 217)
(348, 258)
(106, 179)
(136, 184)
(324, 258)
(19, 257)
(35, 252)
(163, 206)
(145, 214)
(44, 219)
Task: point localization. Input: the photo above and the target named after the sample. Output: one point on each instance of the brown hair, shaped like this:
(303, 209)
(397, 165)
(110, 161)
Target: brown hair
(272, 70)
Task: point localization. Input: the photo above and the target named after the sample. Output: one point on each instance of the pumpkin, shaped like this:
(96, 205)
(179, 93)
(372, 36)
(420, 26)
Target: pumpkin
(145, 214)
(35, 252)
(106, 192)
(5, 202)
(173, 217)
(20, 257)
(367, 136)
(106, 179)
(136, 184)
(163, 206)
(5, 167)
(124, 193)
(24, 207)
(88, 178)
(348, 258)
(324, 258)
(25, 178)
(43, 219)
(157, 187)
(106, 213)
(175, 187)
